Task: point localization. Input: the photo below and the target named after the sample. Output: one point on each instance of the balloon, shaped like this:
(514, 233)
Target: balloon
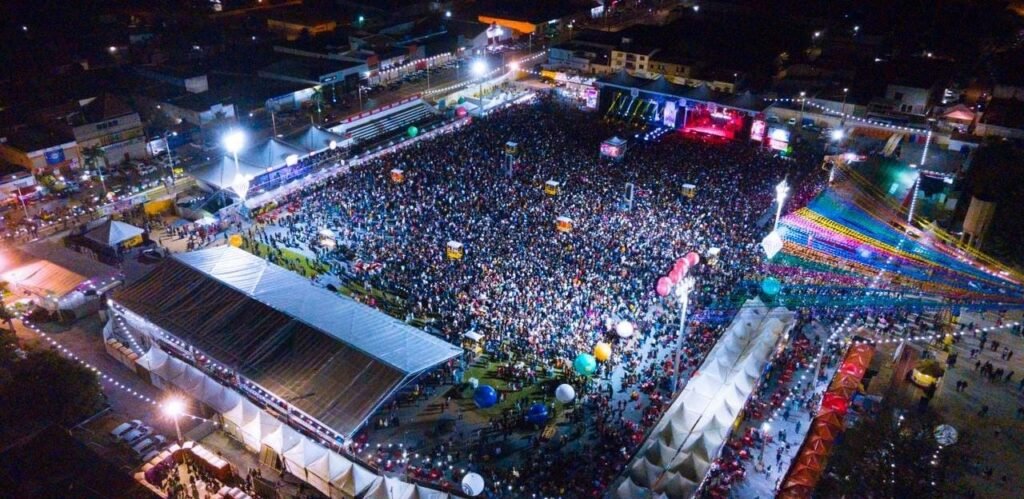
(462, 100)
(585, 364)
(460, 111)
(664, 286)
(474, 383)
(602, 351)
(537, 413)
(692, 258)
(485, 396)
(413, 131)
(676, 275)
(681, 266)
(565, 393)
(771, 286)
(624, 329)
(472, 484)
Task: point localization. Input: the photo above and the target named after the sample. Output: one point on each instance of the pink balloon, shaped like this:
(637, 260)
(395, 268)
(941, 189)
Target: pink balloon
(664, 286)
(682, 266)
(692, 258)
(676, 275)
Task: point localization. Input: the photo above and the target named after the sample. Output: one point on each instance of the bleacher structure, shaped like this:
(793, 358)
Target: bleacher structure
(382, 123)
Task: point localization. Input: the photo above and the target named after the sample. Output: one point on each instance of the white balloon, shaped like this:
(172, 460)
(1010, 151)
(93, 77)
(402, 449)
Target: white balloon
(624, 329)
(565, 393)
(472, 484)
(474, 383)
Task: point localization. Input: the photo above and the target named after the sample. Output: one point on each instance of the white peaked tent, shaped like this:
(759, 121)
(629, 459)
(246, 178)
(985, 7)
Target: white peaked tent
(630, 490)
(241, 413)
(674, 433)
(298, 458)
(191, 381)
(660, 454)
(282, 439)
(111, 233)
(363, 479)
(171, 369)
(676, 486)
(690, 467)
(259, 427)
(422, 492)
(703, 445)
(152, 359)
(644, 473)
(323, 470)
(220, 399)
(390, 488)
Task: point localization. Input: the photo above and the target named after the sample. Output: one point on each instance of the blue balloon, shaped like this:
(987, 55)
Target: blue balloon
(771, 286)
(485, 396)
(537, 414)
(585, 364)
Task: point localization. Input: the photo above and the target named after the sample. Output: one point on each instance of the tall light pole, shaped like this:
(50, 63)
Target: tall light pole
(803, 100)
(842, 115)
(765, 428)
(233, 142)
(780, 197)
(174, 408)
(478, 69)
(682, 292)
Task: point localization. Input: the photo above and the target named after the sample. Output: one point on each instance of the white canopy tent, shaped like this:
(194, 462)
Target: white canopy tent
(254, 431)
(694, 429)
(282, 439)
(299, 457)
(326, 468)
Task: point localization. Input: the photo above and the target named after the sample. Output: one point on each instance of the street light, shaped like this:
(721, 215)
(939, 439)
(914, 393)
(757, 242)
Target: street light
(478, 69)
(780, 197)
(233, 142)
(803, 101)
(682, 292)
(765, 428)
(448, 14)
(837, 135)
(174, 408)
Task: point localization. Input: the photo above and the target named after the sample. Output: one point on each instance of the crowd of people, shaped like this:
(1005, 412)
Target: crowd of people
(539, 296)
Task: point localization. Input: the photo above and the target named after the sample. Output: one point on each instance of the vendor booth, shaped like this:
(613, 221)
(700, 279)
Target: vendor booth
(563, 224)
(551, 188)
(453, 250)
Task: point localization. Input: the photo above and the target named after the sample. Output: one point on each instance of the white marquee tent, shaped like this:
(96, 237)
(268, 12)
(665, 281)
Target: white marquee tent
(692, 432)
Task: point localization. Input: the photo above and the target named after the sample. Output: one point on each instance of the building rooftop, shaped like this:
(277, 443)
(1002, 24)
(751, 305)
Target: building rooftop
(332, 357)
(103, 108)
(305, 17)
(308, 69)
(531, 11)
(1008, 113)
(31, 138)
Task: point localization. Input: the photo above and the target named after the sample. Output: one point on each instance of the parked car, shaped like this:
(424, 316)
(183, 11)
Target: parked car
(124, 428)
(137, 434)
(144, 169)
(143, 447)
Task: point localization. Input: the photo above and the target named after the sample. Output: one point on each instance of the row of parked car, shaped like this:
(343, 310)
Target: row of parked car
(141, 438)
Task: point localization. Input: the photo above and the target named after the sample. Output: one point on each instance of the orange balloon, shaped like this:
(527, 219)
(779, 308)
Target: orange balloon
(602, 351)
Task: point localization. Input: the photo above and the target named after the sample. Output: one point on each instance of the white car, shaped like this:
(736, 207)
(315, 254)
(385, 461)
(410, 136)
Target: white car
(143, 447)
(137, 434)
(124, 428)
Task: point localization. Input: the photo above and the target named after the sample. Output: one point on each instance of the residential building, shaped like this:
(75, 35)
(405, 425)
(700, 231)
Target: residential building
(631, 56)
(581, 56)
(1002, 118)
(297, 24)
(107, 122)
(183, 77)
(40, 150)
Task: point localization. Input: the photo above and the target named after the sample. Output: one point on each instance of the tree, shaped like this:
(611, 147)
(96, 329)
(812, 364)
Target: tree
(889, 456)
(96, 157)
(43, 387)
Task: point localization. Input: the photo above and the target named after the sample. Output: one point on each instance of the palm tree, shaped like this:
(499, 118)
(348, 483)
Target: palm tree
(96, 157)
(5, 315)
(318, 96)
